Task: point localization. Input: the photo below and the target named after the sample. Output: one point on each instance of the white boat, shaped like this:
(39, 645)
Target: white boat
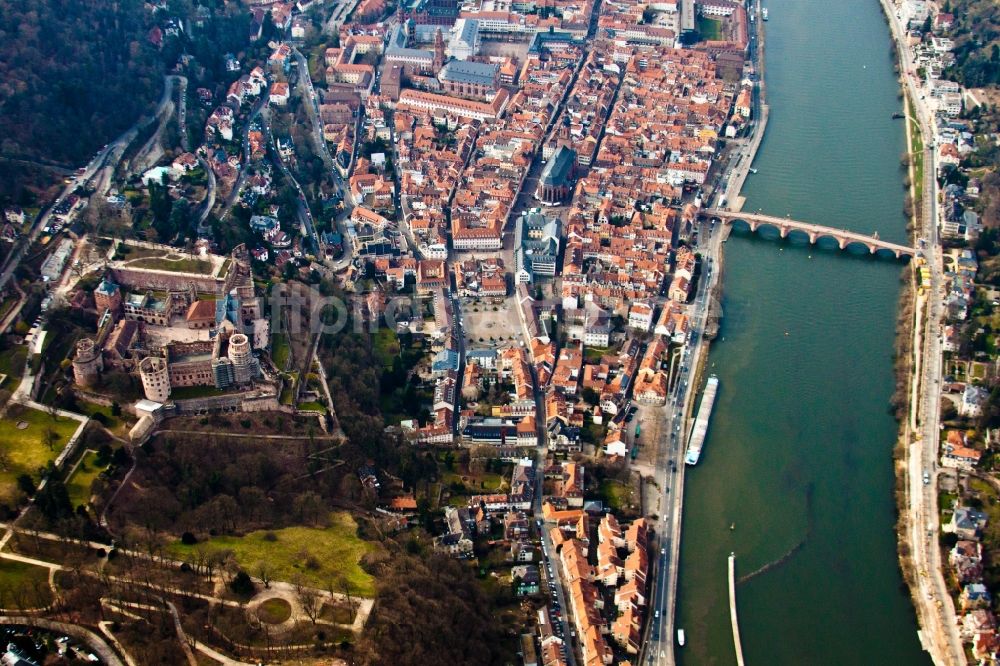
(697, 437)
(680, 637)
(763, 13)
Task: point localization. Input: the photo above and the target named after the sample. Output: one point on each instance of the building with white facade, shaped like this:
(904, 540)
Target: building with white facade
(464, 41)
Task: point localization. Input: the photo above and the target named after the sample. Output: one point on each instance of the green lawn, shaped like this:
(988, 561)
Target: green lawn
(316, 554)
(12, 364)
(6, 305)
(280, 350)
(28, 450)
(188, 392)
(616, 494)
(312, 407)
(386, 344)
(20, 575)
(78, 485)
(709, 29)
(199, 266)
(917, 144)
(274, 611)
(92, 408)
(288, 392)
(594, 354)
(478, 484)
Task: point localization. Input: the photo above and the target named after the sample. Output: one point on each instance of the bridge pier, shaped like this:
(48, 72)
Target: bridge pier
(784, 231)
(813, 237)
(842, 242)
(753, 226)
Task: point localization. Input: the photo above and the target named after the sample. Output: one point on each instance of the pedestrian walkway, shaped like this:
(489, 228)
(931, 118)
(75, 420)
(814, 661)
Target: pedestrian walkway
(737, 643)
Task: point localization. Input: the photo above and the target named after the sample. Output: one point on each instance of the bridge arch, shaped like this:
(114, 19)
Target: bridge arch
(886, 252)
(799, 236)
(856, 245)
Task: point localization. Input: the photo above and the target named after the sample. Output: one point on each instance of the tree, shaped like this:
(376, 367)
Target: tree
(308, 597)
(948, 410)
(53, 500)
(432, 611)
(340, 583)
(309, 506)
(263, 570)
(242, 584)
(590, 396)
(26, 484)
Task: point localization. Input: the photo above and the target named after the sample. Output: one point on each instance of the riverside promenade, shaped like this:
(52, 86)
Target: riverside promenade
(658, 646)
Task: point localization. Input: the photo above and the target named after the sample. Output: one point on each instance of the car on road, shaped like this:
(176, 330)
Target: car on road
(927, 478)
(663, 551)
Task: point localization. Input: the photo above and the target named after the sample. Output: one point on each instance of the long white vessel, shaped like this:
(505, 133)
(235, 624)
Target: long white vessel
(680, 637)
(763, 13)
(700, 427)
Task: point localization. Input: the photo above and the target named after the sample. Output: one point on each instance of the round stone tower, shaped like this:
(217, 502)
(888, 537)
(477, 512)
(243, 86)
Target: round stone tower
(155, 378)
(87, 363)
(242, 357)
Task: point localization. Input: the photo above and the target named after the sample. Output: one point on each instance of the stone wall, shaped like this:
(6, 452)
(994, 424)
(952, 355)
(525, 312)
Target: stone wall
(234, 402)
(144, 278)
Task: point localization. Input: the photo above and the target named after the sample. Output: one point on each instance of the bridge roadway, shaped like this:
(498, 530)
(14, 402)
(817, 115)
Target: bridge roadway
(786, 225)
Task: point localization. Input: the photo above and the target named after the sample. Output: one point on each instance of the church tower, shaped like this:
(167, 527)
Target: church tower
(438, 51)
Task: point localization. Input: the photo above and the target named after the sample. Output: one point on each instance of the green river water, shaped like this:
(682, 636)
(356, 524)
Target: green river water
(800, 444)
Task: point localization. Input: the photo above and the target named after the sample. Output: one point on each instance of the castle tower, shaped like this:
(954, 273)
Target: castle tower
(242, 358)
(108, 296)
(155, 378)
(87, 363)
(222, 372)
(438, 51)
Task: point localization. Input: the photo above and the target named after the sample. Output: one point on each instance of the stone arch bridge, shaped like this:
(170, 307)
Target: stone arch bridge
(786, 225)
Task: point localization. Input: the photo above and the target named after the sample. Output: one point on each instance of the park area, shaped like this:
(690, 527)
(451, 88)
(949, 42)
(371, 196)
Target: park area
(24, 585)
(316, 555)
(162, 259)
(82, 479)
(29, 441)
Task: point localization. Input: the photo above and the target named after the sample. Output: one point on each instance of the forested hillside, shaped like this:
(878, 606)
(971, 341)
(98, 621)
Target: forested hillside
(73, 74)
(976, 31)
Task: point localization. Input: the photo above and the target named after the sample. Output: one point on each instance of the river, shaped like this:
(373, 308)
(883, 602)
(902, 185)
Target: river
(800, 445)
